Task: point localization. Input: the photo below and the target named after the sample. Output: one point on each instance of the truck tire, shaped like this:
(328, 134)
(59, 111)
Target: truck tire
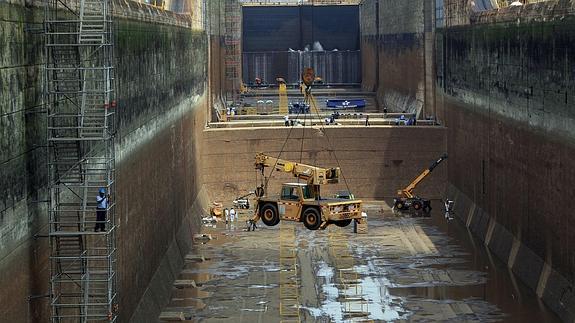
(269, 214)
(416, 205)
(343, 223)
(311, 219)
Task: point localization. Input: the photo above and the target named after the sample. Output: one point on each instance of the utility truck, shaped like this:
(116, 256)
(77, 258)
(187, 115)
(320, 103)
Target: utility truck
(302, 202)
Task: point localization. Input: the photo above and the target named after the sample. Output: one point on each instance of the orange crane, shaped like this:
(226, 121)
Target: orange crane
(407, 197)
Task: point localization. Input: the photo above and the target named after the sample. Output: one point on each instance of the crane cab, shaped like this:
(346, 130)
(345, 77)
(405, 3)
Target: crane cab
(291, 198)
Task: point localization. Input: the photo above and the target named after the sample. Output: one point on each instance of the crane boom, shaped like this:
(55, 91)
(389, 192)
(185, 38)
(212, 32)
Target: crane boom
(311, 174)
(408, 191)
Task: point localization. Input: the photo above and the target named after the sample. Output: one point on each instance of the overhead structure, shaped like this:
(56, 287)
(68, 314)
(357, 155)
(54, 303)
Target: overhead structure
(79, 96)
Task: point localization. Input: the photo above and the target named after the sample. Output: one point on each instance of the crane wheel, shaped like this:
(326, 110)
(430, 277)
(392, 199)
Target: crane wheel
(427, 208)
(399, 205)
(311, 219)
(342, 223)
(417, 205)
(269, 215)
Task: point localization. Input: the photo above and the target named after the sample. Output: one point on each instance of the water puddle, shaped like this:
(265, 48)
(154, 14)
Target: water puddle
(405, 269)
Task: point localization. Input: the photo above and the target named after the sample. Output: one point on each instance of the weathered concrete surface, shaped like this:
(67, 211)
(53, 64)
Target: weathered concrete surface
(23, 261)
(161, 82)
(21, 126)
(156, 184)
(369, 23)
(405, 269)
(216, 76)
(376, 161)
(392, 40)
(506, 98)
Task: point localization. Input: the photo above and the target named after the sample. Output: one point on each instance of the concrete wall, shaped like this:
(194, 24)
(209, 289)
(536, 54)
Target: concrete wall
(369, 21)
(375, 161)
(23, 260)
(505, 92)
(395, 43)
(161, 82)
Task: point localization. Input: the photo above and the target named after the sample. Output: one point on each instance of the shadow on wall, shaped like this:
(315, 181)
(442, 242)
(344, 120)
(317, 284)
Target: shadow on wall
(375, 161)
(400, 55)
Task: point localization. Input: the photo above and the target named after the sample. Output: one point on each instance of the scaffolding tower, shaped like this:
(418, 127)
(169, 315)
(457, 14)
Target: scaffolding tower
(78, 92)
(232, 57)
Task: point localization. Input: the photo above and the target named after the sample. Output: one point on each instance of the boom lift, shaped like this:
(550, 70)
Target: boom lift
(302, 202)
(408, 199)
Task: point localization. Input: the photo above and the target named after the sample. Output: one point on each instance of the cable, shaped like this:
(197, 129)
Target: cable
(302, 135)
(283, 147)
(312, 99)
(308, 99)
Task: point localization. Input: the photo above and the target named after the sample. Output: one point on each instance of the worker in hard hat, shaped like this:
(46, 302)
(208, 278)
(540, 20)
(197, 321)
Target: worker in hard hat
(102, 201)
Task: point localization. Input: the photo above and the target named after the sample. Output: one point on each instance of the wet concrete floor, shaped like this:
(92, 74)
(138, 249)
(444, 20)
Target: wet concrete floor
(404, 269)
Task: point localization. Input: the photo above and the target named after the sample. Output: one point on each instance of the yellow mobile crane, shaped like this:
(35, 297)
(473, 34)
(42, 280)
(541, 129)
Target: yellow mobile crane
(408, 199)
(302, 202)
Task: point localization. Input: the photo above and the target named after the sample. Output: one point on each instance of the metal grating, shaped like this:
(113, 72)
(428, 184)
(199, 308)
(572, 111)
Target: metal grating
(78, 92)
(289, 275)
(355, 306)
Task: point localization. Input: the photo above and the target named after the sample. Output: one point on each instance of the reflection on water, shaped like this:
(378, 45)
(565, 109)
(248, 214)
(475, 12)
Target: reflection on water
(405, 269)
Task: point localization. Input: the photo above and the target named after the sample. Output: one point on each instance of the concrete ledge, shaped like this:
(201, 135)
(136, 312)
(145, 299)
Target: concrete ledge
(479, 224)
(555, 290)
(527, 266)
(358, 122)
(560, 296)
(501, 242)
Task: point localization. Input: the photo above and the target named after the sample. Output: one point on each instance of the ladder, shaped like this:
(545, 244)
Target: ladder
(78, 91)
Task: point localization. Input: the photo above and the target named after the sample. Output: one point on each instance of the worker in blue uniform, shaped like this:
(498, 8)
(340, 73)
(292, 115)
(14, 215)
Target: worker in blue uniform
(102, 201)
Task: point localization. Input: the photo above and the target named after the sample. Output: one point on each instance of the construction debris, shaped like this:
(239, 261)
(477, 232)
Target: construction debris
(209, 219)
(202, 237)
(185, 283)
(216, 209)
(360, 225)
(172, 316)
(196, 258)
